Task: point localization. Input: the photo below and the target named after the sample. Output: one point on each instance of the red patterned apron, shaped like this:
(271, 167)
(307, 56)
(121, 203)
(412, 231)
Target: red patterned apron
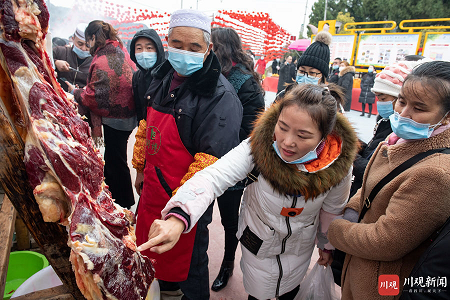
(167, 161)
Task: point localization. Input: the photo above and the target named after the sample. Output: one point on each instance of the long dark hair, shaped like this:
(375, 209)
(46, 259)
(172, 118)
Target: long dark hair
(227, 46)
(102, 31)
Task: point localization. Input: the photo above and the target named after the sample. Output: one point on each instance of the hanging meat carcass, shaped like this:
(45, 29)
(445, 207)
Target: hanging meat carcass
(64, 167)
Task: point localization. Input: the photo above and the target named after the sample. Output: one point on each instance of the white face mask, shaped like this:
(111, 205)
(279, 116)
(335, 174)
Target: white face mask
(341, 68)
(311, 155)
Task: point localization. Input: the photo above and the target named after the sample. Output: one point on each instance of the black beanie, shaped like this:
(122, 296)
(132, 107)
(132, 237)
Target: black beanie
(317, 55)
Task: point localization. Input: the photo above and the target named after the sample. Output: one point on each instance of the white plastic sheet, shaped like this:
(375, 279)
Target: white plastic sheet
(153, 292)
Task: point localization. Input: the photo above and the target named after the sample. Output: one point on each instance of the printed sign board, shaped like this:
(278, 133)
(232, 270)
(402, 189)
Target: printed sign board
(343, 46)
(384, 49)
(437, 46)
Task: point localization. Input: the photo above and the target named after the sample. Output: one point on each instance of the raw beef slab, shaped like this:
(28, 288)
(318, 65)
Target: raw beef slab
(64, 167)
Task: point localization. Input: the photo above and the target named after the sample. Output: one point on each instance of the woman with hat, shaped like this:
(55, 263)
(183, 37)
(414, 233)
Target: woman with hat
(313, 65)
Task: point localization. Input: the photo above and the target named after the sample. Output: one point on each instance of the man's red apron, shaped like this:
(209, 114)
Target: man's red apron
(167, 161)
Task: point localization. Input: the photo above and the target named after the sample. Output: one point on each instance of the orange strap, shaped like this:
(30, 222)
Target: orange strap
(291, 212)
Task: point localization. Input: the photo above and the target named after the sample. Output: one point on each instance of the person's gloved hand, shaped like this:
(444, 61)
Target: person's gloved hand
(350, 215)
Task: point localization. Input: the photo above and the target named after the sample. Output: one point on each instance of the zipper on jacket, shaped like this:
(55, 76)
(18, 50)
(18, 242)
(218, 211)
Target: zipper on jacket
(283, 248)
(280, 267)
(288, 225)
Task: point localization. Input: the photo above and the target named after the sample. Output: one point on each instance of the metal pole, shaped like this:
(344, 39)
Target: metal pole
(197, 4)
(325, 12)
(181, 4)
(304, 19)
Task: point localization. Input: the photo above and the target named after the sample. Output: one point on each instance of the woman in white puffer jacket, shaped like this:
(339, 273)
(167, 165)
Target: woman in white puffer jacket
(303, 150)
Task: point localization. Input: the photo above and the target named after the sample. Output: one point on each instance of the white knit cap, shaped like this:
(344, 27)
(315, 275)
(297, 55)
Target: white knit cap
(79, 32)
(390, 80)
(190, 18)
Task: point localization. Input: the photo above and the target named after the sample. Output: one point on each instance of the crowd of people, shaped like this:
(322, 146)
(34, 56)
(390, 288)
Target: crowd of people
(287, 179)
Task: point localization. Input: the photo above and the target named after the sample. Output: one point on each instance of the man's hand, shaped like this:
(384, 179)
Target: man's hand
(324, 258)
(139, 182)
(62, 65)
(163, 233)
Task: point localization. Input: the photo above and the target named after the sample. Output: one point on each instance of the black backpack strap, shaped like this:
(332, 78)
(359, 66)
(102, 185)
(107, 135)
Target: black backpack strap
(251, 177)
(405, 165)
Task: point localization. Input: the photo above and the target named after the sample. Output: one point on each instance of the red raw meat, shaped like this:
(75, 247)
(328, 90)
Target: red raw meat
(64, 167)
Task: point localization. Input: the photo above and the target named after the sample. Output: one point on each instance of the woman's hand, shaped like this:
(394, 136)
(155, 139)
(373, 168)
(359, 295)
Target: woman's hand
(138, 183)
(324, 258)
(70, 87)
(167, 233)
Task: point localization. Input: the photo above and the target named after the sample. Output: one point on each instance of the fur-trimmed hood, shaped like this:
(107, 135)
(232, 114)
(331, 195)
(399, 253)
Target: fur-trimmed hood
(347, 70)
(287, 178)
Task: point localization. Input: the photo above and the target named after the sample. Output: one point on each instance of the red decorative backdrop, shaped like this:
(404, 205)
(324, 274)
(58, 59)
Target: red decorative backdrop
(258, 31)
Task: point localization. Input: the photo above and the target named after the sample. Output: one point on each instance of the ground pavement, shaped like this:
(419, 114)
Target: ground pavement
(235, 289)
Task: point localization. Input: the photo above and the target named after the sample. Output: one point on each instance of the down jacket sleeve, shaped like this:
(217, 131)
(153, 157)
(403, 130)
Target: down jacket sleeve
(197, 193)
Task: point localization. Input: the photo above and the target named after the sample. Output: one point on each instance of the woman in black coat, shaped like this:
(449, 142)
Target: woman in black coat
(346, 74)
(366, 95)
(238, 68)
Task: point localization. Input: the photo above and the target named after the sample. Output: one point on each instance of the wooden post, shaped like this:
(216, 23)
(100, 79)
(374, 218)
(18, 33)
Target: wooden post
(7, 217)
(51, 237)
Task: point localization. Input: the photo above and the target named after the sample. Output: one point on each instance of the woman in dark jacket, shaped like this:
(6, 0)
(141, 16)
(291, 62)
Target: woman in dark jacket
(346, 74)
(366, 95)
(144, 42)
(237, 67)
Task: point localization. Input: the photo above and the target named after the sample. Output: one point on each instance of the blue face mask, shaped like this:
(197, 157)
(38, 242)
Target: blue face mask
(146, 59)
(306, 79)
(385, 109)
(335, 67)
(311, 155)
(80, 53)
(408, 129)
(370, 70)
(185, 62)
